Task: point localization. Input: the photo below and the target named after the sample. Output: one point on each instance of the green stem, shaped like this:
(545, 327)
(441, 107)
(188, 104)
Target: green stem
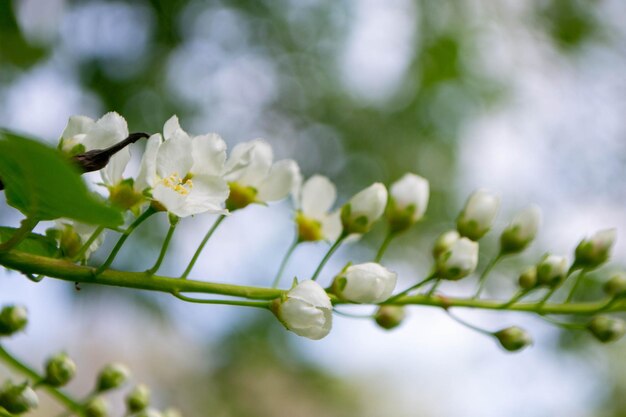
(143, 217)
(68, 271)
(579, 280)
(483, 277)
(283, 263)
(411, 288)
(26, 226)
(352, 315)
(196, 255)
(166, 244)
(432, 290)
(258, 304)
(60, 396)
(548, 295)
(384, 246)
(328, 255)
(469, 325)
(565, 325)
(81, 252)
(520, 294)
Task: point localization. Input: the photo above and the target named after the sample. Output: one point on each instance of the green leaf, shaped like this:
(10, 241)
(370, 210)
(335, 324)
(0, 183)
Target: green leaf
(34, 244)
(41, 183)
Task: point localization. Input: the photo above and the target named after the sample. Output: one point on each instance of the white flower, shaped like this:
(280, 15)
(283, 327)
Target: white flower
(552, 270)
(72, 235)
(366, 207)
(521, 231)
(459, 261)
(407, 201)
(253, 178)
(313, 202)
(444, 242)
(369, 283)
(184, 172)
(84, 134)
(478, 214)
(596, 250)
(306, 310)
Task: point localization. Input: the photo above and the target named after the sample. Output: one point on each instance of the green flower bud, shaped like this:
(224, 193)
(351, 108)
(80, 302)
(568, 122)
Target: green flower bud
(97, 407)
(513, 338)
(60, 369)
(607, 329)
(390, 317)
(478, 214)
(309, 229)
(444, 242)
(124, 195)
(616, 285)
(459, 261)
(408, 199)
(12, 320)
(18, 399)
(172, 412)
(112, 376)
(364, 208)
(522, 230)
(528, 279)
(551, 270)
(138, 399)
(596, 250)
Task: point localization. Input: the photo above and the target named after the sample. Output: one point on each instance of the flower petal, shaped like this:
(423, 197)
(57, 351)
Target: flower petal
(209, 154)
(174, 156)
(77, 125)
(147, 170)
(280, 181)
(207, 195)
(171, 126)
(331, 226)
(172, 201)
(318, 196)
(107, 131)
(249, 163)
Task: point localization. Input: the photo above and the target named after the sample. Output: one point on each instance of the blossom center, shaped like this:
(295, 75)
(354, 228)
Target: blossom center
(181, 185)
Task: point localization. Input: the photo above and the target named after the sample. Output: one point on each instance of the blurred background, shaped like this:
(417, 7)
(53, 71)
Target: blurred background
(527, 99)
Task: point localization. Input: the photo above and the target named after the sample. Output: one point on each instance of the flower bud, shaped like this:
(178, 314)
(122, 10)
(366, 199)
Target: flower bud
(366, 207)
(18, 398)
(306, 310)
(459, 261)
(12, 320)
(407, 202)
(369, 283)
(112, 376)
(551, 270)
(528, 279)
(478, 214)
(607, 329)
(616, 285)
(60, 369)
(596, 250)
(97, 407)
(138, 399)
(513, 338)
(522, 230)
(389, 317)
(172, 412)
(444, 242)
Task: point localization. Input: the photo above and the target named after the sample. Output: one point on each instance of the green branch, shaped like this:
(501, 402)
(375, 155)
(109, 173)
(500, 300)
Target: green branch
(60, 269)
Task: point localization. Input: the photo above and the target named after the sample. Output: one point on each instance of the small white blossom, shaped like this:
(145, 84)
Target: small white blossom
(596, 250)
(408, 200)
(365, 208)
(184, 172)
(552, 270)
(314, 201)
(84, 134)
(306, 310)
(254, 178)
(444, 242)
(459, 260)
(478, 214)
(369, 283)
(521, 231)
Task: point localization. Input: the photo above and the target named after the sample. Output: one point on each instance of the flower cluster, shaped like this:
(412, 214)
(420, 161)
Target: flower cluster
(186, 175)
